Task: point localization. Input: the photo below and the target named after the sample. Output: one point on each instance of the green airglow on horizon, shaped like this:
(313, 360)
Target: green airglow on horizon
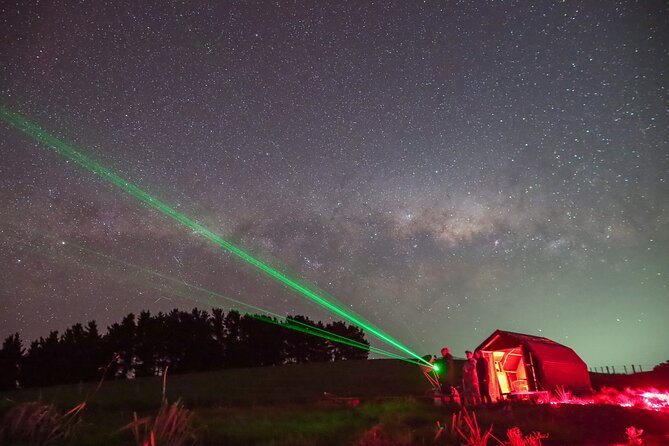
(64, 149)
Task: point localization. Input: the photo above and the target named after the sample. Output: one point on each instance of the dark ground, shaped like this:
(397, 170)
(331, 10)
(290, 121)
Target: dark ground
(315, 404)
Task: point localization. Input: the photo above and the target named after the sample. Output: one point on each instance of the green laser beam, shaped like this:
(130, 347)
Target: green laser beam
(68, 151)
(284, 321)
(315, 331)
(310, 329)
(64, 149)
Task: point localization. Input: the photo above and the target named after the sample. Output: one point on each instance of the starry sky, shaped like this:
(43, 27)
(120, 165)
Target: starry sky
(444, 168)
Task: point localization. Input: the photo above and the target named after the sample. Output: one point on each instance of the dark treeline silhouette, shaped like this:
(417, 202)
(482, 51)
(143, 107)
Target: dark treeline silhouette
(183, 341)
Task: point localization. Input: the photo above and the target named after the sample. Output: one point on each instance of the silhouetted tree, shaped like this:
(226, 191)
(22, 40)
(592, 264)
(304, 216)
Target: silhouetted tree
(71, 353)
(192, 339)
(217, 322)
(319, 348)
(11, 357)
(92, 349)
(44, 364)
(263, 340)
(120, 340)
(233, 347)
(181, 340)
(169, 337)
(341, 351)
(81, 350)
(302, 347)
(146, 344)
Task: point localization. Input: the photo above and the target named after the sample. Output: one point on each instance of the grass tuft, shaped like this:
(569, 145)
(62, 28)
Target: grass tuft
(172, 426)
(471, 432)
(516, 438)
(633, 436)
(39, 424)
(562, 395)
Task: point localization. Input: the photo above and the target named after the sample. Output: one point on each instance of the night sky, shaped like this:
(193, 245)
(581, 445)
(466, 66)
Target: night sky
(443, 168)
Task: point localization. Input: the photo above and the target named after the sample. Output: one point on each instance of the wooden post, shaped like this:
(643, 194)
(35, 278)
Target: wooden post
(537, 385)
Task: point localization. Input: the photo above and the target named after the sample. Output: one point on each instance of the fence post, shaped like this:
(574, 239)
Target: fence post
(607, 369)
(633, 369)
(640, 369)
(625, 369)
(613, 368)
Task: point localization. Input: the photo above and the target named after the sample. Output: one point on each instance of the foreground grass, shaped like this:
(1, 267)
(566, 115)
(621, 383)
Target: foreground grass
(271, 405)
(288, 405)
(288, 384)
(401, 422)
(294, 425)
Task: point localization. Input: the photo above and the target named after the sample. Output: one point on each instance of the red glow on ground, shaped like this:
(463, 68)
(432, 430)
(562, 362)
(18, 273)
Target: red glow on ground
(648, 399)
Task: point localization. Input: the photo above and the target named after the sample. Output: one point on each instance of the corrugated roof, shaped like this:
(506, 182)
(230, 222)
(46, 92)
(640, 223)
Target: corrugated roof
(520, 338)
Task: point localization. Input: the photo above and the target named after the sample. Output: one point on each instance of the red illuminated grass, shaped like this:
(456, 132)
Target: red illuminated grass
(648, 399)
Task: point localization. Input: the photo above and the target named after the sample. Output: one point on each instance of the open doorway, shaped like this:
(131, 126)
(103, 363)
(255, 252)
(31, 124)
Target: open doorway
(510, 372)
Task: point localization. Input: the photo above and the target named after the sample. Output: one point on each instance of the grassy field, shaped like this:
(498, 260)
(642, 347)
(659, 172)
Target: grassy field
(316, 404)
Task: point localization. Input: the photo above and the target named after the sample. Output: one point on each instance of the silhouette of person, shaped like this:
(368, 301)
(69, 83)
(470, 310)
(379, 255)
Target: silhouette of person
(483, 374)
(470, 381)
(445, 371)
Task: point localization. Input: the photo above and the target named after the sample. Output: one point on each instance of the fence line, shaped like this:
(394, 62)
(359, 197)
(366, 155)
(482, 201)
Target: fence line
(624, 369)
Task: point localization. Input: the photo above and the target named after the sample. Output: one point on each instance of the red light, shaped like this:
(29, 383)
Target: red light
(649, 399)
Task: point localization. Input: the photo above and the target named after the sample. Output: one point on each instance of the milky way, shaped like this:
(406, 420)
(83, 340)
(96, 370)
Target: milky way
(443, 168)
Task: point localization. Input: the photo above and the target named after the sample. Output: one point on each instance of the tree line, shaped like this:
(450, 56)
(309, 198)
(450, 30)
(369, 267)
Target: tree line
(181, 340)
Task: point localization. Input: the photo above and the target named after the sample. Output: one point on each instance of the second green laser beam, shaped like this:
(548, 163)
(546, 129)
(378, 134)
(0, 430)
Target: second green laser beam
(68, 151)
(283, 321)
(194, 292)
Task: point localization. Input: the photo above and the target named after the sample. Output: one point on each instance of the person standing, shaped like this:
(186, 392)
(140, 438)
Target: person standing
(470, 381)
(483, 374)
(444, 371)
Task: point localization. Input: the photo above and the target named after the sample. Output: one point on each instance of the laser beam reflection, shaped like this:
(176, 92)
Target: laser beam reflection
(68, 151)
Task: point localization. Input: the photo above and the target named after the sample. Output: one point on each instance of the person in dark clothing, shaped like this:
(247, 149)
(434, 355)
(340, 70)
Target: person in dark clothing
(483, 375)
(444, 371)
(470, 382)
